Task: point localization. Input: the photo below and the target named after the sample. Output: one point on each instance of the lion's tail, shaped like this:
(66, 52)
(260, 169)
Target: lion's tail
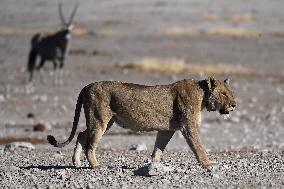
(53, 141)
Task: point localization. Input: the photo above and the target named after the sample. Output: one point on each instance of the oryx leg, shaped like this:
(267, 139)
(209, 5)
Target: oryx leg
(41, 72)
(30, 77)
(29, 83)
(61, 73)
(55, 72)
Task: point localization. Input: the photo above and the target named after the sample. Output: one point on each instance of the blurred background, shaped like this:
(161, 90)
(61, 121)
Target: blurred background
(148, 42)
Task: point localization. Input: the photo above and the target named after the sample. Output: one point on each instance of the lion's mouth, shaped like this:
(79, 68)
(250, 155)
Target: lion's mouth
(224, 111)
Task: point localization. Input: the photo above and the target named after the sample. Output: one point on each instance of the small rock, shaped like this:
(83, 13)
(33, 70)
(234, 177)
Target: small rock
(48, 125)
(176, 177)
(124, 186)
(226, 166)
(40, 98)
(11, 123)
(7, 92)
(64, 108)
(14, 145)
(95, 52)
(2, 98)
(253, 99)
(226, 116)
(216, 176)
(173, 77)
(90, 186)
(158, 169)
(60, 156)
(62, 174)
(138, 147)
(279, 91)
(235, 119)
(29, 88)
(30, 115)
(14, 168)
(125, 71)
(39, 127)
(2, 150)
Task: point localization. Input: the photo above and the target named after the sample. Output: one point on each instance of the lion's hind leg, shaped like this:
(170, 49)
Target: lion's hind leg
(96, 127)
(80, 145)
(163, 138)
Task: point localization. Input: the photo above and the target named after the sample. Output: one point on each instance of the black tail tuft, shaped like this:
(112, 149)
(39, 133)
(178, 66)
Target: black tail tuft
(51, 140)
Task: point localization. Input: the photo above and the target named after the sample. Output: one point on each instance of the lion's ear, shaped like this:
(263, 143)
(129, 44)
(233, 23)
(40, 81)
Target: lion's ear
(212, 83)
(227, 81)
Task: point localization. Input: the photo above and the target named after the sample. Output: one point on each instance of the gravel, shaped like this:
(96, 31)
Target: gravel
(155, 169)
(179, 169)
(138, 147)
(14, 145)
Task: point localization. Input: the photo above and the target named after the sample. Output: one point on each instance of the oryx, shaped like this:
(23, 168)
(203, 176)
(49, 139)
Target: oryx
(51, 47)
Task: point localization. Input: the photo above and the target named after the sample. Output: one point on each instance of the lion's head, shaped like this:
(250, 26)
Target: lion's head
(220, 96)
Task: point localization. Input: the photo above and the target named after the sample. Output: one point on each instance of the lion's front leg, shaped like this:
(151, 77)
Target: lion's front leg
(191, 133)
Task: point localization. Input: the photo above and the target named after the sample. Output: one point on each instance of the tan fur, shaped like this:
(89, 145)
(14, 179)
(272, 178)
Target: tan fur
(164, 108)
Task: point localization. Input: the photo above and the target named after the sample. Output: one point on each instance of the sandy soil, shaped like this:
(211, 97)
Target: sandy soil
(241, 40)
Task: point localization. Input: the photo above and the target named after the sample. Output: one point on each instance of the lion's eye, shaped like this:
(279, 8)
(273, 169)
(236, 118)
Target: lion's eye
(224, 94)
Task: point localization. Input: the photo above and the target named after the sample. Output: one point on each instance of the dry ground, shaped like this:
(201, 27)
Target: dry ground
(147, 42)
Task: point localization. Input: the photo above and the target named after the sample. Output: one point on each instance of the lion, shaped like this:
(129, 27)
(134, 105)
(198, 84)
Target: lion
(162, 108)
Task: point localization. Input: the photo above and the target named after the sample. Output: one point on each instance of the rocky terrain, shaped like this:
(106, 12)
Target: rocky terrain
(126, 169)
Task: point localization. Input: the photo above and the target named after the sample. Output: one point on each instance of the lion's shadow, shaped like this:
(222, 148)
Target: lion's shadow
(48, 167)
(140, 171)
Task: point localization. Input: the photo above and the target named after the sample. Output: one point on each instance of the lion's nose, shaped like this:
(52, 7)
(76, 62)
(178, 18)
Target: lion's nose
(233, 105)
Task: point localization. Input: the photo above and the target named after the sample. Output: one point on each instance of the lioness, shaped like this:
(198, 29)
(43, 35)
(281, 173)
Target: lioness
(164, 108)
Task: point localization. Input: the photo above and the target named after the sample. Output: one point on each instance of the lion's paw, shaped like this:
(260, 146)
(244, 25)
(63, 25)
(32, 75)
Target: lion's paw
(211, 165)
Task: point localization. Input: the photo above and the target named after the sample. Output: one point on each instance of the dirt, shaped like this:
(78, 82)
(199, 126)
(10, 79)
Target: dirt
(129, 41)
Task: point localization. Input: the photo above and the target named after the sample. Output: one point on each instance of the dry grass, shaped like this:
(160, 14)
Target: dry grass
(31, 31)
(236, 32)
(220, 31)
(7, 140)
(171, 31)
(210, 17)
(78, 31)
(235, 19)
(109, 32)
(81, 31)
(244, 18)
(78, 51)
(179, 66)
(177, 30)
